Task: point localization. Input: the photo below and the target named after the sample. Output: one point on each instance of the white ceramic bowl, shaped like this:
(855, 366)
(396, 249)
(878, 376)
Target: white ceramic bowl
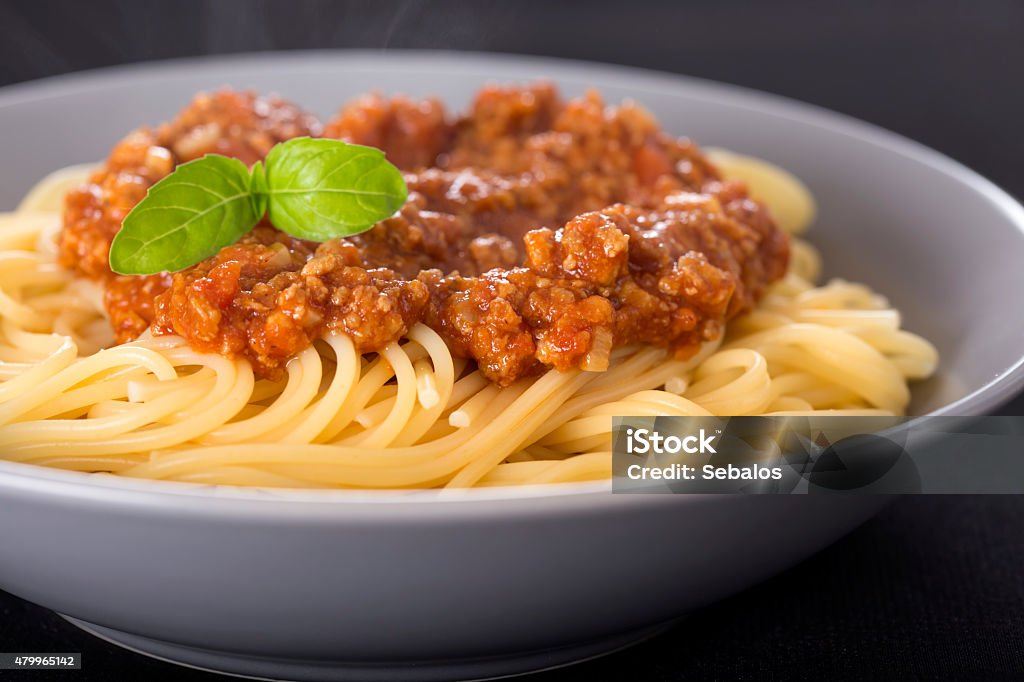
(342, 585)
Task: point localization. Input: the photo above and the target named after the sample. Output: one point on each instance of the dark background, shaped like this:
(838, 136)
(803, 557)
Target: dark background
(931, 588)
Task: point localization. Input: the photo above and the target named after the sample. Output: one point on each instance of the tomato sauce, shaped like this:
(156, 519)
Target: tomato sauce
(539, 232)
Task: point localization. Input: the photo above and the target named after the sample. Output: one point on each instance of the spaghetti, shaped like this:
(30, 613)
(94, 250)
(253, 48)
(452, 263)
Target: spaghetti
(413, 414)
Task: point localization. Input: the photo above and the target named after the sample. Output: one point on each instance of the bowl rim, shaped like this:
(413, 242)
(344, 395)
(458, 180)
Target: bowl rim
(28, 477)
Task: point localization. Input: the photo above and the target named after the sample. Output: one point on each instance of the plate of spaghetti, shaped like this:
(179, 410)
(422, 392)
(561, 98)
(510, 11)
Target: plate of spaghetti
(330, 345)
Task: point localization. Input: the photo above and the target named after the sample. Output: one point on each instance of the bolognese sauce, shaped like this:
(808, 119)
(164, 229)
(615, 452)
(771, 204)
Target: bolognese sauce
(539, 232)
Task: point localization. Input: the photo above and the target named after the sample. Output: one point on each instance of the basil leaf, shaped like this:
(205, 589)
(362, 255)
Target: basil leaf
(203, 206)
(323, 189)
(313, 189)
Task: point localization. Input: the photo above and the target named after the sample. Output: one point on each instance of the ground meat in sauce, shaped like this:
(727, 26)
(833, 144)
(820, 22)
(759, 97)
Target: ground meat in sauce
(539, 232)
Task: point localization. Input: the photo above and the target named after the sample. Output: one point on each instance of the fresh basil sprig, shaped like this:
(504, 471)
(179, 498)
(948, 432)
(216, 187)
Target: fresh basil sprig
(313, 189)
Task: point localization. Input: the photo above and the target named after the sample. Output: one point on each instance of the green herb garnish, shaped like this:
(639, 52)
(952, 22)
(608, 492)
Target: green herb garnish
(312, 189)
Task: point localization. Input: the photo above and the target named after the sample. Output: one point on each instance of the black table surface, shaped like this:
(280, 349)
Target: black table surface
(933, 587)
